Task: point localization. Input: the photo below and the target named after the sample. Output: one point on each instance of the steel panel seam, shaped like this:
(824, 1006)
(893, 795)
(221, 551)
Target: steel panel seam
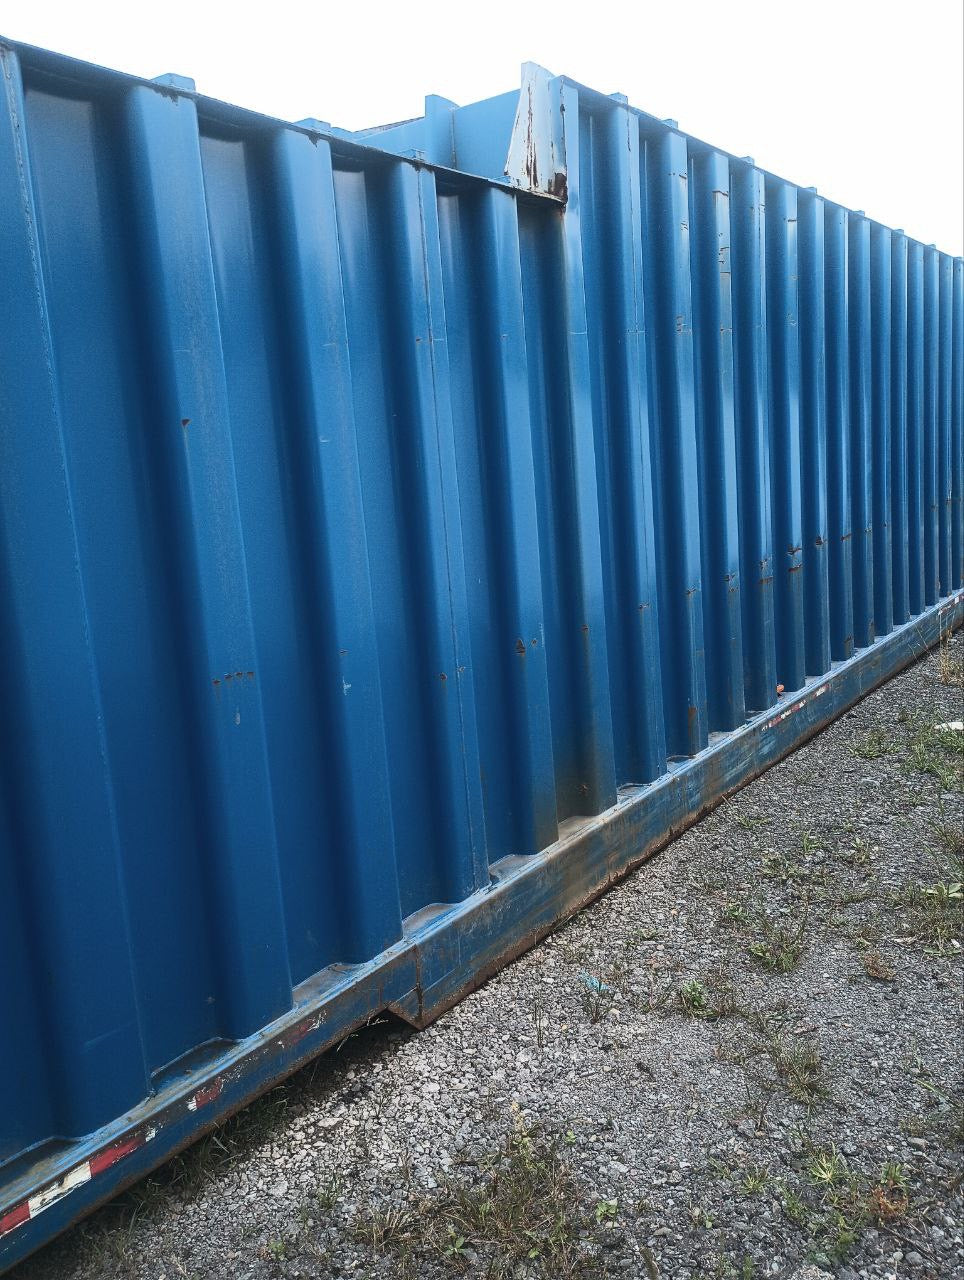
(402, 535)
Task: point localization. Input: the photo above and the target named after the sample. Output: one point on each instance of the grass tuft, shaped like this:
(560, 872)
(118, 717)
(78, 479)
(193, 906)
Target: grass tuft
(950, 669)
(874, 745)
(834, 1205)
(711, 1000)
(780, 942)
(800, 1069)
(524, 1212)
(939, 753)
(934, 913)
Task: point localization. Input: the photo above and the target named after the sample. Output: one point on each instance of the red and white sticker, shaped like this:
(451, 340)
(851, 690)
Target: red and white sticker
(74, 1178)
(796, 706)
(205, 1095)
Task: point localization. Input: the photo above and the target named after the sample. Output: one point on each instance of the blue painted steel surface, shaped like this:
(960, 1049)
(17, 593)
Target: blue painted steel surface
(391, 557)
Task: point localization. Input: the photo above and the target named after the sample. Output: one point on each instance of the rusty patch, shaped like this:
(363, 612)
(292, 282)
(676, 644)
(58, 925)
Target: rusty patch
(530, 166)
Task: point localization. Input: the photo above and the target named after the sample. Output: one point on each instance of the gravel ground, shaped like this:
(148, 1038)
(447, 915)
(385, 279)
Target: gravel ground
(744, 1061)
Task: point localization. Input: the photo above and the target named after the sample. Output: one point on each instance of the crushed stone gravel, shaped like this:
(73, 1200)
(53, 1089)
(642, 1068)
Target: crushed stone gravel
(744, 1061)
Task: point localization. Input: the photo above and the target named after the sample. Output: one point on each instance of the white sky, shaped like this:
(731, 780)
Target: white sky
(860, 98)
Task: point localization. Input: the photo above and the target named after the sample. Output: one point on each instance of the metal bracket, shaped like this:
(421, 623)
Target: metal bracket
(537, 148)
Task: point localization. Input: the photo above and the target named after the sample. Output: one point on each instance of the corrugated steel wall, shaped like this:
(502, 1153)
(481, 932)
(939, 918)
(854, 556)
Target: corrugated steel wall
(362, 522)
